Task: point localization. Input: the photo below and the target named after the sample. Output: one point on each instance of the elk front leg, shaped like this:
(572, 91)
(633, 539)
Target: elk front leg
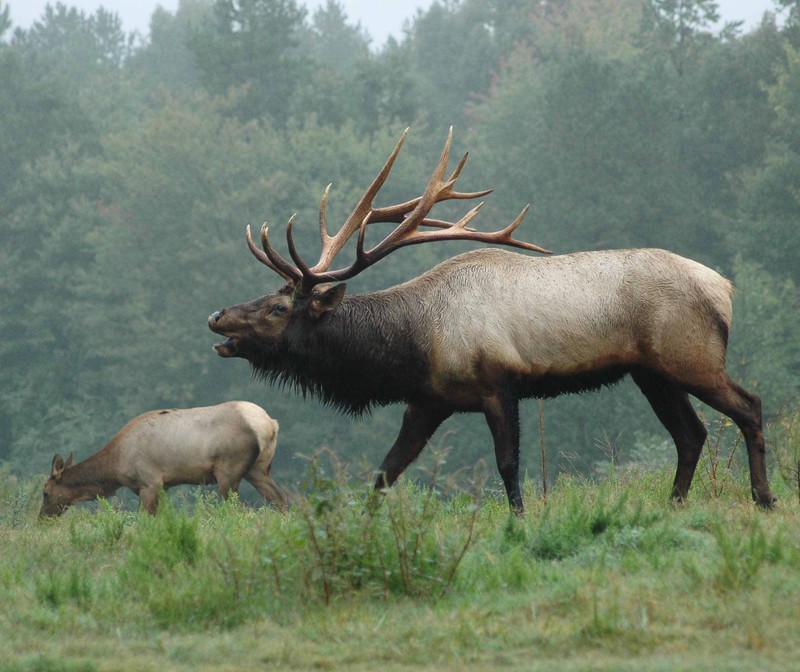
(148, 496)
(419, 424)
(502, 415)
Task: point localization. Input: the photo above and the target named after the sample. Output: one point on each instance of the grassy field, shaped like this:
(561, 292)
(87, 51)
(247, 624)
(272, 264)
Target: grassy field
(600, 576)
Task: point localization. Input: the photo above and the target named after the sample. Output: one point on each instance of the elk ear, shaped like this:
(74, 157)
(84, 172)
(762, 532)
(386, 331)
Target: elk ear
(57, 468)
(326, 299)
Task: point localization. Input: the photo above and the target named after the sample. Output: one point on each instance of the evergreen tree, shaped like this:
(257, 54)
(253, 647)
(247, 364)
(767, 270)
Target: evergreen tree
(253, 44)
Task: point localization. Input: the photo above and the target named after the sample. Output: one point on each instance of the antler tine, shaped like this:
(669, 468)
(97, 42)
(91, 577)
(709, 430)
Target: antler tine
(301, 265)
(270, 258)
(258, 254)
(396, 213)
(293, 272)
(332, 245)
(429, 197)
(461, 224)
(452, 231)
(460, 167)
(323, 224)
(504, 236)
(450, 193)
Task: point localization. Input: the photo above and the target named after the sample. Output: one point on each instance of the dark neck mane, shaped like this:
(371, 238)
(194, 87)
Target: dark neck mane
(362, 354)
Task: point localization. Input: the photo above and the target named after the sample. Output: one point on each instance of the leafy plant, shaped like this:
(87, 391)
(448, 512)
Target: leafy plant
(161, 543)
(57, 587)
(716, 470)
(743, 555)
(565, 528)
(391, 546)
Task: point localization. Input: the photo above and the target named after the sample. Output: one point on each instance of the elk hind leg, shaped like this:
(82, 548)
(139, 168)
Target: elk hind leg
(227, 473)
(674, 409)
(744, 408)
(267, 487)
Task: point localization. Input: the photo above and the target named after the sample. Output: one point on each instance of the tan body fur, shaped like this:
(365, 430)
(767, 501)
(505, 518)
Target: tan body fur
(571, 314)
(220, 444)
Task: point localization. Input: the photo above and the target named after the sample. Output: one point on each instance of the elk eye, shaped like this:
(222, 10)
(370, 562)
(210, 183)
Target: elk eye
(279, 309)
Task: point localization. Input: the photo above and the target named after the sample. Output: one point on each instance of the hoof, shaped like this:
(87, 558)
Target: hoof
(765, 500)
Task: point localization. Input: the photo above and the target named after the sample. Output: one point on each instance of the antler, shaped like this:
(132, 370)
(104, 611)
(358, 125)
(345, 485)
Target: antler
(271, 258)
(410, 215)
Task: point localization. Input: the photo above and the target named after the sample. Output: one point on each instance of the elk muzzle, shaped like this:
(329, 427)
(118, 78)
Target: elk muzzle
(228, 348)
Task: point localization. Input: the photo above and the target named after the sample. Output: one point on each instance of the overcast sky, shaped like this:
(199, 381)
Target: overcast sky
(380, 18)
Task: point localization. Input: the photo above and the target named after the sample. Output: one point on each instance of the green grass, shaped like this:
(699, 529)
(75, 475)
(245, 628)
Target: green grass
(601, 576)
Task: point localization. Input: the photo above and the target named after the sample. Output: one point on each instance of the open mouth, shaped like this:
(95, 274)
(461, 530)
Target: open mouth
(226, 349)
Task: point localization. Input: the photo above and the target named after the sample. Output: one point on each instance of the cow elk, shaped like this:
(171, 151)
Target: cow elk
(216, 444)
(487, 328)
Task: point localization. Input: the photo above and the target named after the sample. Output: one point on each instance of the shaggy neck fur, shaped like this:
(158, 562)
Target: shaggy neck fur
(360, 354)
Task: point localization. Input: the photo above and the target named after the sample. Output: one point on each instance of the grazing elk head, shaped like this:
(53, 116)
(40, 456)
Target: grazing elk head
(56, 497)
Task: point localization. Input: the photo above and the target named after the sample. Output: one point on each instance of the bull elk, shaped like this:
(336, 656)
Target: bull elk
(216, 444)
(487, 328)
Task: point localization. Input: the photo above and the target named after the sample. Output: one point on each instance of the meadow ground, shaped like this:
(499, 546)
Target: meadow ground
(599, 576)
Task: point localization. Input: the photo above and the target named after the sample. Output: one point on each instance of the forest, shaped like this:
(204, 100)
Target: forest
(131, 164)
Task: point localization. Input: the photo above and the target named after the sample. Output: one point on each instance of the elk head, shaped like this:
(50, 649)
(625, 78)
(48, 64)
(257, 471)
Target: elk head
(255, 330)
(56, 497)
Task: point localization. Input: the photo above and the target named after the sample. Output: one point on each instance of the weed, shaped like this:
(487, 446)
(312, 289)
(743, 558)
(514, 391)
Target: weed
(159, 544)
(105, 528)
(514, 533)
(542, 451)
(564, 529)
(17, 506)
(394, 546)
(56, 588)
(606, 619)
(613, 452)
(742, 556)
(16, 498)
(716, 472)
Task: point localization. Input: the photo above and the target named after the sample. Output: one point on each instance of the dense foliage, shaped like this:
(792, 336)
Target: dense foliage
(129, 166)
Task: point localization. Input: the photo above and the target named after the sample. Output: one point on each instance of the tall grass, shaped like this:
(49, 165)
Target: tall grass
(599, 571)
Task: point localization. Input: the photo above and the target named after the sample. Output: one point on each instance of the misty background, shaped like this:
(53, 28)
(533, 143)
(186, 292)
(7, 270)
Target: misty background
(380, 20)
(130, 165)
